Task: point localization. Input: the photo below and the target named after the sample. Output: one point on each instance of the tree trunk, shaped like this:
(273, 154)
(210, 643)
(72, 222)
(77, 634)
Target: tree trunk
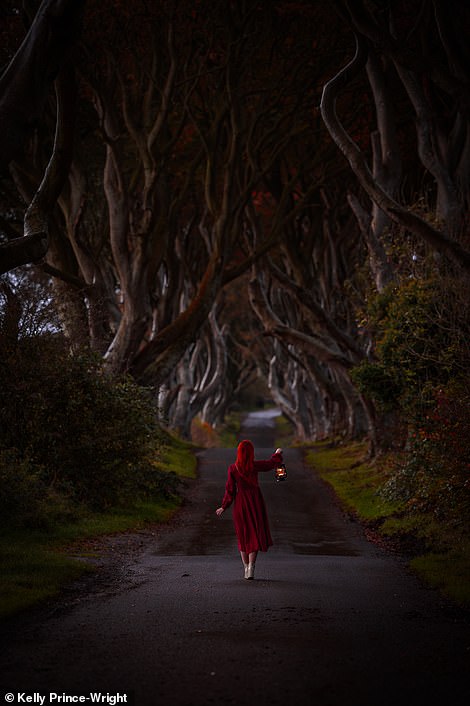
(32, 247)
(386, 172)
(25, 84)
(438, 240)
(449, 209)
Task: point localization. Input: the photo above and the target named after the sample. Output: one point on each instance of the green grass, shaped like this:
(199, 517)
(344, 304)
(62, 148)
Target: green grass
(228, 434)
(31, 572)
(36, 564)
(223, 436)
(440, 552)
(354, 480)
(328, 457)
(179, 458)
(284, 432)
(447, 571)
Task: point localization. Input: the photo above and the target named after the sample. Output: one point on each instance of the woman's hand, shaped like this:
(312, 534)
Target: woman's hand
(219, 511)
(278, 451)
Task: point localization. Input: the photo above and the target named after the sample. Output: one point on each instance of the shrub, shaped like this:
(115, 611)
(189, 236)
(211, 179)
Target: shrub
(76, 432)
(420, 372)
(378, 383)
(420, 333)
(21, 488)
(25, 499)
(434, 473)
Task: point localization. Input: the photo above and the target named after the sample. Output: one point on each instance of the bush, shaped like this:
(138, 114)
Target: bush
(21, 488)
(25, 499)
(435, 471)
(77, 433)
(420, 330)
(375, 381)
(420, 372)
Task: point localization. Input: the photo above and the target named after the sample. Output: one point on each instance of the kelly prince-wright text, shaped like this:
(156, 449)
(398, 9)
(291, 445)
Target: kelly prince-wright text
(55, 698)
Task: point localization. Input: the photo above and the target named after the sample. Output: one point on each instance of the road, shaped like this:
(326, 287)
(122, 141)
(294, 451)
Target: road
(330, 619)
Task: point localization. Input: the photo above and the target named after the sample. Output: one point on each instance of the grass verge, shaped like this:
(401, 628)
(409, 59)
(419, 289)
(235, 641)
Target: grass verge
(438, 552)
(285, 435)
(225, 436)
(36, 564)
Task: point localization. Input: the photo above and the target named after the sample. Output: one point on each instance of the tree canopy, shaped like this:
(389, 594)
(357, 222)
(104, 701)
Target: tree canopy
(220, 191)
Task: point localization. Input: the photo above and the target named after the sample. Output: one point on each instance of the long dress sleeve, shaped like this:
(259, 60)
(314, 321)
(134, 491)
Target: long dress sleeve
(230, 489)
(269, 464)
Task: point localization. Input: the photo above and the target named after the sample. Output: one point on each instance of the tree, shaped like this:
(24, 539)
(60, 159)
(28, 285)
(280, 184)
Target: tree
(180, 167)
(24, 90)
(207, 164)
(441, 142)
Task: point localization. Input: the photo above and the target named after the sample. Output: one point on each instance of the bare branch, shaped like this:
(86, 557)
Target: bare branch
(437, 239)
(33, 245)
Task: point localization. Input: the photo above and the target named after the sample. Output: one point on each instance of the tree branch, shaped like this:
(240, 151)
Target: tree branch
(33, 245)
(275, 327)
(24, 86)
(438, 240)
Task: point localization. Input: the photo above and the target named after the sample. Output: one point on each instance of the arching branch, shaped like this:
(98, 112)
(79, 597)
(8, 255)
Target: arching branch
(436, 238)
(25, 84)
(275, 327)
(33, 245)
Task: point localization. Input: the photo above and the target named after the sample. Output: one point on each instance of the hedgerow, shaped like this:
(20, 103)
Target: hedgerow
(420, 374)
(71, 437)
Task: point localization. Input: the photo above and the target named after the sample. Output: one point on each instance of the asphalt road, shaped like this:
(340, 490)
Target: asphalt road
(329, 620)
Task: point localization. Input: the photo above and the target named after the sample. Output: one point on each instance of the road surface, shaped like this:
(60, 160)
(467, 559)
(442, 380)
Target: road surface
(329, 620)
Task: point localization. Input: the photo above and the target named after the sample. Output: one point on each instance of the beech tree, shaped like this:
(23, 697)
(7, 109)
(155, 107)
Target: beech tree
(209, 230)
(428, 58)
(24, 91)
(299, 294)
(190, 131)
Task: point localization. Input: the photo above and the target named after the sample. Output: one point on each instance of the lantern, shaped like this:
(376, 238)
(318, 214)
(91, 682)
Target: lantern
(281, 472)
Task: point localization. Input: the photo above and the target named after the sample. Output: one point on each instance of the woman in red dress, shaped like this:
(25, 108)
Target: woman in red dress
(249, 511)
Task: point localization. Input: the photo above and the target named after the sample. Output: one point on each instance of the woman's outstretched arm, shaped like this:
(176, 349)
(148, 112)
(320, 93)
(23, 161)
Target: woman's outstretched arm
(270, 463)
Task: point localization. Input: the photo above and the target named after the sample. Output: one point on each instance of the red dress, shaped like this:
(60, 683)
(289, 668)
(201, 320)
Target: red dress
(249, 511)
